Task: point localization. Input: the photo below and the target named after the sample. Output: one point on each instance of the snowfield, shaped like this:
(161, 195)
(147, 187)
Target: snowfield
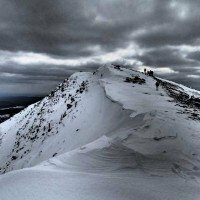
(100, 136)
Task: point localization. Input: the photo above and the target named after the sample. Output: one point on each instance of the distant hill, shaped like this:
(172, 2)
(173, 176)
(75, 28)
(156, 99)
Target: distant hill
(10, 106)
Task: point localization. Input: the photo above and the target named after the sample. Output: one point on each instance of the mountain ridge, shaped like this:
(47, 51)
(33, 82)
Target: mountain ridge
(116, 128)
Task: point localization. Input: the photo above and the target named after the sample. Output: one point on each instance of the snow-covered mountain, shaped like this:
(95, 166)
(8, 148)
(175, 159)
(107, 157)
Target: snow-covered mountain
(105, 135)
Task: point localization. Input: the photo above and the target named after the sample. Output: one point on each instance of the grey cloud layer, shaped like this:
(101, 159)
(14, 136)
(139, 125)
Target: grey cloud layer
(74, 28)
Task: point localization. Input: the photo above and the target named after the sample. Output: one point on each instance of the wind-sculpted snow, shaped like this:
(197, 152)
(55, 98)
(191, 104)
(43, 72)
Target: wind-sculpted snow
(69, 117)
(111, 134)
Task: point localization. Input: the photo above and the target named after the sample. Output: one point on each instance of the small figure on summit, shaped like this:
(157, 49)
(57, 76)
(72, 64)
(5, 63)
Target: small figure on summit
(145, 71)
(150, 73)
(157, 85)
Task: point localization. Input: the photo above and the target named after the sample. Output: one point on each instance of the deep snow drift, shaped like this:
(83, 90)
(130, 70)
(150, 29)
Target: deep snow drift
(109, 138)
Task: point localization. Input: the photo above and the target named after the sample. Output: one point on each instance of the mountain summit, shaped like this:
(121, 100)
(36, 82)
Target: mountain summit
(104, 135)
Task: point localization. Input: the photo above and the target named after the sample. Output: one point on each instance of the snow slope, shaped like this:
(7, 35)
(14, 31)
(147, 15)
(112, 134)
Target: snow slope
(71, 116)
(121, 140)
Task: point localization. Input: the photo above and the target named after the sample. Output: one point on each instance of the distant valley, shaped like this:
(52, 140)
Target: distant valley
(10, 106)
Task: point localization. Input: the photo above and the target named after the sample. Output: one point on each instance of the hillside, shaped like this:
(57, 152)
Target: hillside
(104, 135)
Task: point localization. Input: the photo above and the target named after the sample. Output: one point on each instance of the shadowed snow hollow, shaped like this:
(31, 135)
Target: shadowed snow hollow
(112, 136)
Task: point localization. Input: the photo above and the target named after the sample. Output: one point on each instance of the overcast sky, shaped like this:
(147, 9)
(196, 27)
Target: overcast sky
(43, 41)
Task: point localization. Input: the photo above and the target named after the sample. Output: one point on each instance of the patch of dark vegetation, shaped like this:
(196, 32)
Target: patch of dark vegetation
(69, 106)
(14, 158)
(134, 80)
(118, 67)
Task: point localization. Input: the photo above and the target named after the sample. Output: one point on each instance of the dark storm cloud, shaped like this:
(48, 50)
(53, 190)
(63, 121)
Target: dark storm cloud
(170, 34)
(45, 70)
(67, 27)
(165, 57)
(55, 27)
(177, 22)
(42, 26)
(194, 55)
(32, 80)
(70, 29)
(189, 82)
